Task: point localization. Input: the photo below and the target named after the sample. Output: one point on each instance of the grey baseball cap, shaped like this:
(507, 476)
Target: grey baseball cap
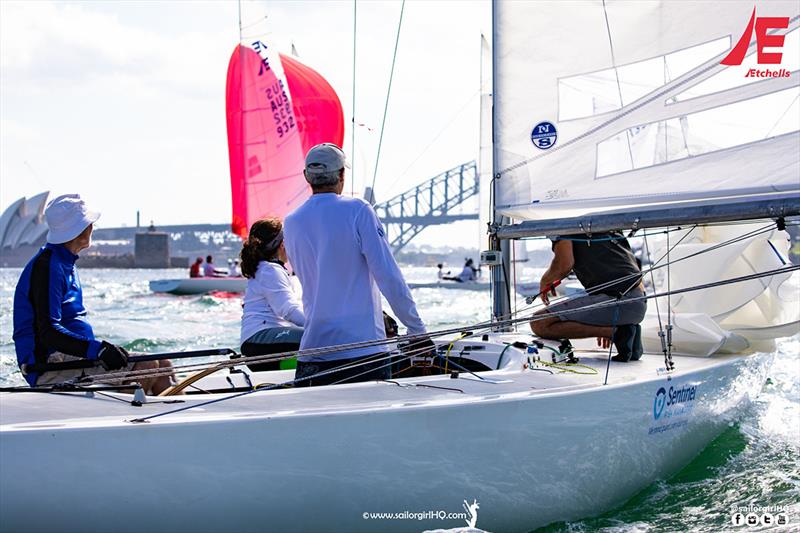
(323, 159)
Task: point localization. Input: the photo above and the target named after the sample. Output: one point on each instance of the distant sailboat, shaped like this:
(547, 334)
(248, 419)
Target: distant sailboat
(277, 109)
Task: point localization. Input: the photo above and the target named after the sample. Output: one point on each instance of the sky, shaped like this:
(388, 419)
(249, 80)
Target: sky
(124, 102)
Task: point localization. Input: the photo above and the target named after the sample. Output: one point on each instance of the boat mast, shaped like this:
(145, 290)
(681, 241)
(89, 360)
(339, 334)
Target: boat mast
(240, 21)
(501, 300)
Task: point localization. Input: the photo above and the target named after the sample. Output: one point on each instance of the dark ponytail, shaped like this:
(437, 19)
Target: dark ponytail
(260, 245)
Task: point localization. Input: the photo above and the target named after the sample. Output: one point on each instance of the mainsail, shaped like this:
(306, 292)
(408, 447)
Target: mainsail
(641, 112)
(277, 108)
(639, 124)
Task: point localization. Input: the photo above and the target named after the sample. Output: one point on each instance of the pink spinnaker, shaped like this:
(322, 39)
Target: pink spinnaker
(272, 123)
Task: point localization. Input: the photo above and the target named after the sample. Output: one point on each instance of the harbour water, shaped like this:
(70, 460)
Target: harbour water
(756, 462)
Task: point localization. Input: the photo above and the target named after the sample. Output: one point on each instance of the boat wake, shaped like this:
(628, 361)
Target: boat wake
(756, 461)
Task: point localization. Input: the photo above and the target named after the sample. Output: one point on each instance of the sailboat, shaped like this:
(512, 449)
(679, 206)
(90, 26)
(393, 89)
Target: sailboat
(515, 425)
(277, 109)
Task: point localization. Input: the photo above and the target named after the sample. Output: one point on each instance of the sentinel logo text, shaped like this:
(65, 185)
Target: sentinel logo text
(667, 398)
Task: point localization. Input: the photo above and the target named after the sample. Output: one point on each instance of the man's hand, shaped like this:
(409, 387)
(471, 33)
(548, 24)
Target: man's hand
(604, 342)
(547, 288)
(560, 267)
(112, 357)
(424, 347)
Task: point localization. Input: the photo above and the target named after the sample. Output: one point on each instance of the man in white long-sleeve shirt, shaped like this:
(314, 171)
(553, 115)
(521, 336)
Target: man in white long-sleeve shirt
(337, 248)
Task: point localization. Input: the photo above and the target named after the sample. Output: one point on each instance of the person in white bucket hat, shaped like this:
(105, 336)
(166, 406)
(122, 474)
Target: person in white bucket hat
(67, 217)
(50, 327)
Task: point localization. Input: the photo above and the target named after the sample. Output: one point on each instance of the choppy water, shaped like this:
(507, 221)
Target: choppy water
(756, 462)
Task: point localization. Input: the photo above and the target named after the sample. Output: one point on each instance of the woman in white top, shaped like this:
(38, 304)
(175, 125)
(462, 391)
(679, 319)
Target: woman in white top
(273, 316)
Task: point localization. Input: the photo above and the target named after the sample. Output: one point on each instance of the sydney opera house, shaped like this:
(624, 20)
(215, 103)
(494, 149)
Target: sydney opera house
(22, 229)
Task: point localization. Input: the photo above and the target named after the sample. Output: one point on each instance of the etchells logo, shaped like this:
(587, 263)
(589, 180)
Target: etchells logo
(761, 25)
(672, 407)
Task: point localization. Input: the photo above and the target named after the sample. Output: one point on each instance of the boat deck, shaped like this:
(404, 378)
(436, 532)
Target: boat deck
(61, 410)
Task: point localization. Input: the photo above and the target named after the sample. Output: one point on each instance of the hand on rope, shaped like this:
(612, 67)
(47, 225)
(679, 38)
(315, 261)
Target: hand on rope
(112, 357)
(545, 293)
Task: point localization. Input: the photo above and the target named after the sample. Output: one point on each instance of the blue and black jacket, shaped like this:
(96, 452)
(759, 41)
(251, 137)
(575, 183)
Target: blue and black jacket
(48, 310)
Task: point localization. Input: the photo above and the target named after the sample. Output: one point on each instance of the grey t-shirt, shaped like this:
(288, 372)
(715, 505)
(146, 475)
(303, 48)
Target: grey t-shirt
(603, 258)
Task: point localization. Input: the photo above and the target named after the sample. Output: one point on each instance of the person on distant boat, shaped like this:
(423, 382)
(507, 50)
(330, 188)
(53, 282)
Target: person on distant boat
(607, 269)
(49, 316)
(339, 252)
(469, 271)
(440, 273)
(209, 270)
(233, 268)
(273, 317)
(194, 270)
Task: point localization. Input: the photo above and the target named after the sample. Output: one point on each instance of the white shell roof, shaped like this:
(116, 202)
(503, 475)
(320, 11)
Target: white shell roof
(23, 221)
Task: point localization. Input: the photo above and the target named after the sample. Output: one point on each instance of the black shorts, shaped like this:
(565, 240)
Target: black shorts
(374, 370)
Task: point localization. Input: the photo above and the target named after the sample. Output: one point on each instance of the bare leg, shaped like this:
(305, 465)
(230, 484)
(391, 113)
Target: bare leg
(553, 328)
(155, 385)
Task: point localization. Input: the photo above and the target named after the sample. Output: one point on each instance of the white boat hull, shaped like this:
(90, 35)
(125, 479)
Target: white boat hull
(198, 285)
(318, 459)
(523, 288)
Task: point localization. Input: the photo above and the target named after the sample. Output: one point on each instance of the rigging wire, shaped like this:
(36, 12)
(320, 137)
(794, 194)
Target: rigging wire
(670, 364)
(484, 326)
(781, 117)
(362, 362)
(127, 376)
(598, 288)
(353, 122)
(491, 324)
(432, 143)
(616, 75)
(658, 311)
(488, 325)
(414, 353)
(388, 94)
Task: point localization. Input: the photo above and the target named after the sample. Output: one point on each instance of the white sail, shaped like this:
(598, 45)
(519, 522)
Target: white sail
(645, 115)
(724, 318)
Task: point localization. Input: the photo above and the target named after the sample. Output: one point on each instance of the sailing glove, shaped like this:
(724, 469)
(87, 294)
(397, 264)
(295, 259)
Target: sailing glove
(112, 357)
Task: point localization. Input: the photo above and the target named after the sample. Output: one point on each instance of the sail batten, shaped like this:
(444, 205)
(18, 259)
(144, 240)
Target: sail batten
(654, 114)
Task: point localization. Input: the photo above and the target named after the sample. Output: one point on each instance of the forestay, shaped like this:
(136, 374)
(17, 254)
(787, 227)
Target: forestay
(644, 114)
